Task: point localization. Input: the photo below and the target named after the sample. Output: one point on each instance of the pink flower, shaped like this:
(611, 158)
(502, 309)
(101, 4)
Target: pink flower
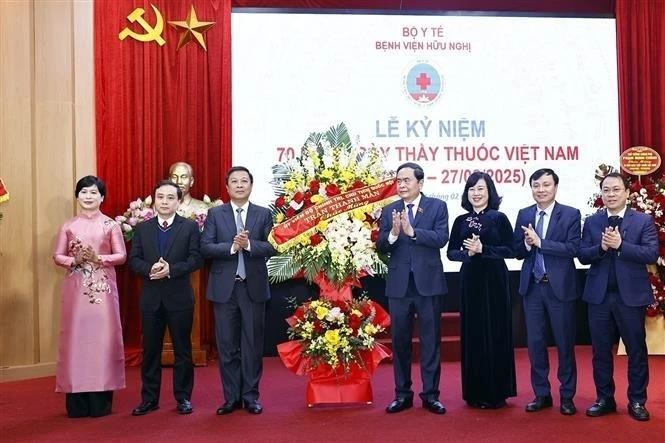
(132, 221)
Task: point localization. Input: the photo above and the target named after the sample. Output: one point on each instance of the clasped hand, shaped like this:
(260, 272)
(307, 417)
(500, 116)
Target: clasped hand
(160, 269)
(86, 253)
(611, 238)
(401, 223)
(473, 245)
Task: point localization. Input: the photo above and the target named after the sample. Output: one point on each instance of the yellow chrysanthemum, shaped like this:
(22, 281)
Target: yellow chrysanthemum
(348, 175)
(317, 198)
(327, 174)
(321, 312)
(332, 337)
(370, 329)
(280, 217)
(357, 313)
(289, 186)
(304, 240)
(322, 225)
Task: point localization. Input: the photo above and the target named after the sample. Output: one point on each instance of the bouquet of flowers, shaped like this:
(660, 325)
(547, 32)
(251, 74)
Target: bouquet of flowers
(141, 210)
(137, 212)
(327, 208)
(336, 333)
(649, 198)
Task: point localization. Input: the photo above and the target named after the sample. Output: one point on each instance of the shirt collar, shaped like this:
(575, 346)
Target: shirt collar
(621, 214)
(169, 221)
(415, 203)
(548, 210)
(244, 207)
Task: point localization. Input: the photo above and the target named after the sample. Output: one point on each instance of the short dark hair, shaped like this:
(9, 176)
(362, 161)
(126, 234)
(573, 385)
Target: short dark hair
(544, 171)
(236, 169)
(417, 170)
(165, 183)
(626, 182)
(494, 200)
(90, 180)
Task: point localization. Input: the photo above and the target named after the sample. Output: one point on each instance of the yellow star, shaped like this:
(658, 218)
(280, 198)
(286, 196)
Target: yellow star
(191, 29)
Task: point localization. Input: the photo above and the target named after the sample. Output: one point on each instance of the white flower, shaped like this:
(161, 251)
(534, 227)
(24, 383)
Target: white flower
(206, 199)
(148, 200)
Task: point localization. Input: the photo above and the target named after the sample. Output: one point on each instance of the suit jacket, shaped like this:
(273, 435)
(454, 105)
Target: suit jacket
(218, 233)
(421, 256)
(639, 247)
(183, 256)
(559, 248)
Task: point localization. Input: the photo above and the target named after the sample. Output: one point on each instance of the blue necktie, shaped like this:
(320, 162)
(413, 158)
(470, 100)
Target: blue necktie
(539, 265)
(240, 271)
(411, 217)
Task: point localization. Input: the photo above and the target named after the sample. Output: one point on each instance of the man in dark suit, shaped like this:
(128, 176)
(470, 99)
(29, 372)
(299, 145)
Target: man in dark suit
(547, 237)
(413, 231)
(618, 244)
(165, 251)
(235, 236)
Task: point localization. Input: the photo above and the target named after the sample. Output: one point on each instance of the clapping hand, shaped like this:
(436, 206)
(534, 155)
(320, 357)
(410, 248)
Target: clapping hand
(241, 240)
(530, 236)
(611, 239)
(473, 245)
(397, 223)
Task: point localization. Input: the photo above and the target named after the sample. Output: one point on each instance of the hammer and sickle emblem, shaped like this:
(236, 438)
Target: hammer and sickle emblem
(152, 33)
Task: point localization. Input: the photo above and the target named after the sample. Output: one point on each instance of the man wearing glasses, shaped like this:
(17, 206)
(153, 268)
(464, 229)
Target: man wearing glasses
(618, 244)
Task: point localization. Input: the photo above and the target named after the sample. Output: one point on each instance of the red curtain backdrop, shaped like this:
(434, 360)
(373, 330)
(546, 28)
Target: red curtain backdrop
(641, 60)
(156, 105)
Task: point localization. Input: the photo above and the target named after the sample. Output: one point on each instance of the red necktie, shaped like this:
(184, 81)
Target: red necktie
(165, 224)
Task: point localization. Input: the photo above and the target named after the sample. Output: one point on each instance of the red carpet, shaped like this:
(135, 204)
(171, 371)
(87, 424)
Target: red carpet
(31, 411)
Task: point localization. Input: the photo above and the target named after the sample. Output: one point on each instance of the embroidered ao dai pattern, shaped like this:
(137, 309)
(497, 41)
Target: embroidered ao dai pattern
(488, 366)
(90, 349)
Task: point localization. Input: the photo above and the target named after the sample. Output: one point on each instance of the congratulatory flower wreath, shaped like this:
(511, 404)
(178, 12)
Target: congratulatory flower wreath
(326, 213)
(326, 216)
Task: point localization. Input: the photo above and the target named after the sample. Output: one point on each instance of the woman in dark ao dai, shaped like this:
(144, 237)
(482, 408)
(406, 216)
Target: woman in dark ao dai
(481, 239)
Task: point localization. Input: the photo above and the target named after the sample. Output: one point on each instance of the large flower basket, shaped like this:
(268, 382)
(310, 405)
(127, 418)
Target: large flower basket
(351, 384)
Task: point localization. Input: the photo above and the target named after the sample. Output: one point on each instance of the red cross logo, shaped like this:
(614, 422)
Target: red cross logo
(423, 81)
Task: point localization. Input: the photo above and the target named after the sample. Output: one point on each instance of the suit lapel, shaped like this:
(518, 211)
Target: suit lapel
(422, 207)
(627, 221)
(554, 219)
(229, 218)
(175, 229)
(153, 241)
(250, 220)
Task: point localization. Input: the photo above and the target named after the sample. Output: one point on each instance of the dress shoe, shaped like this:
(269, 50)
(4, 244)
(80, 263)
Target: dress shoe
(253, 407)
(399, 404)
(184, 407)
(602, 406)
(434, 406)
(539, 403)
(229, 407)
(567, 407)
(638, 411)
(145, 407)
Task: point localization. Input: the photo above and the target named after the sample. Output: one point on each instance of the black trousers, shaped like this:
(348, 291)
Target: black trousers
(180, 328)
(88, 404)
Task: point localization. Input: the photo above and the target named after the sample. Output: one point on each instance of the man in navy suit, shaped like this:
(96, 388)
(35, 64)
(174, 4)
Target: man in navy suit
(547, 237)
(165, 251)
(413, 231)
(235, 236)
(618, 244)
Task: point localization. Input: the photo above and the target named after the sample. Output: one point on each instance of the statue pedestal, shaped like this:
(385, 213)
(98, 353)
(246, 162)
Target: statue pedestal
(199, 353)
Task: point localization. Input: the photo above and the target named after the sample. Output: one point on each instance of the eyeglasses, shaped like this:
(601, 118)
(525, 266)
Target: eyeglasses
(615, 190)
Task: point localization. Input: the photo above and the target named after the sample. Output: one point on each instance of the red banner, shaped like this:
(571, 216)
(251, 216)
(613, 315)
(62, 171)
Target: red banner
(339, 204)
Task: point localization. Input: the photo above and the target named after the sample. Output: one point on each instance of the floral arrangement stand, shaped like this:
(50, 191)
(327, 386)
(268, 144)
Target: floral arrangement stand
(326, 214)
(655, 329)
(337, 383)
